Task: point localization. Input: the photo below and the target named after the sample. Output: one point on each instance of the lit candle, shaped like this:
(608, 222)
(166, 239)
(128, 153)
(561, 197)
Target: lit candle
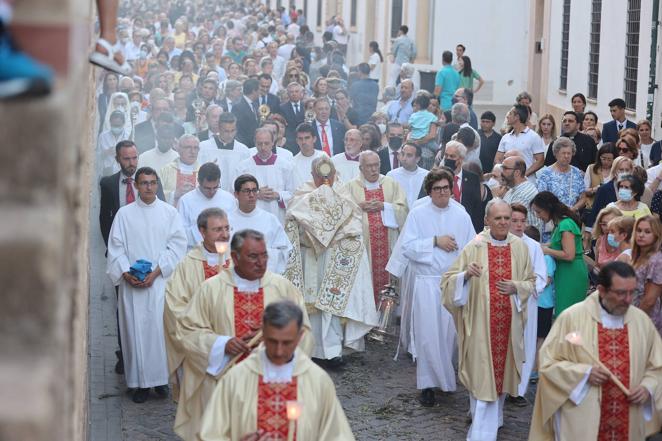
(221, 248)
(293, 414)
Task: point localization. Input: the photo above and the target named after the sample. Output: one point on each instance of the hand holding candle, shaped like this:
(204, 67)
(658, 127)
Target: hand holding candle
(293, 414)
(221, 249)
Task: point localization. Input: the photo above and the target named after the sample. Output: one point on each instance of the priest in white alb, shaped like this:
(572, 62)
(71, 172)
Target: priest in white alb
(251, 401)
(146, 242)
(275, 174)
(486, 290)
(577, 397)
(200, 264)
(384, 206)
(518, 222)
(208, 194)
(221, 320)
(248, 215)
(347, 162)
(224, 149)
(306, 135)
(409, 175)
(329, 264)
(435, 233)
(179, 177)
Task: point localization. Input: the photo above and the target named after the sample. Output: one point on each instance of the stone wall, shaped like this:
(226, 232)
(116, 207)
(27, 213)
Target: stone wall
(46, 160)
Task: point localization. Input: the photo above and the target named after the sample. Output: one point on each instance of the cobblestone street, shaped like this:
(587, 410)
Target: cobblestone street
(378, 394)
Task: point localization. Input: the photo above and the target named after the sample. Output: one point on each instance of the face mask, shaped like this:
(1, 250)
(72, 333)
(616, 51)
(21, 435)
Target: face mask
(450, 163)
(625, 194)
(382, 128)
(611, 240)
(395, 142)
(116, 130)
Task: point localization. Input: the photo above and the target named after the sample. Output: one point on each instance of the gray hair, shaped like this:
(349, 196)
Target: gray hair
(562, 142)
(460, 113)
(240, 237)
(231, 85)
(492, 202)
(205, 214)
(365, 154)
(266, 130)
(408, 69)
(461, 149)
(282, 313)
(523, 95)
(210, 108)
(187, 137)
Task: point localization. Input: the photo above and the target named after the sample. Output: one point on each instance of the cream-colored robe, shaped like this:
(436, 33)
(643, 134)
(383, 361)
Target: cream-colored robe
(168, 178)
(472, 320)
(393, 194)
(184, 282)
(562, 366)
(232, 409)
(211, 314)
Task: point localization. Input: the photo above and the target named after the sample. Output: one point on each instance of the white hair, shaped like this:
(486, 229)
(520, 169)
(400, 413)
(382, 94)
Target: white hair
(461, 149)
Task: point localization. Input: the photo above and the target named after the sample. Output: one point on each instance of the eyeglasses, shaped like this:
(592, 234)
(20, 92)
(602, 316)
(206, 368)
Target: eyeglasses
(441, 189)
(249, 191)
(624, 149)
(147, 183)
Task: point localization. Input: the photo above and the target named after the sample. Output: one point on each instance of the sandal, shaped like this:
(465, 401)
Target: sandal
(107, 61)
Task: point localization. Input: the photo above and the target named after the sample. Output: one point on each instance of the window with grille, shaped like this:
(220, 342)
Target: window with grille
(631, 53)
(319, 13)
(565, 38)
(594, 49)
(353, 13)
(396, 17)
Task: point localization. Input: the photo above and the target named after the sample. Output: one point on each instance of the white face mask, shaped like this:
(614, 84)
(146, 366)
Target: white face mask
(382, 127)
(116, 130)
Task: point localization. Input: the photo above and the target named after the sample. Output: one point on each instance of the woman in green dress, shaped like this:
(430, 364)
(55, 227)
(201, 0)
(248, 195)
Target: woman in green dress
(571, 276)
(468, 75)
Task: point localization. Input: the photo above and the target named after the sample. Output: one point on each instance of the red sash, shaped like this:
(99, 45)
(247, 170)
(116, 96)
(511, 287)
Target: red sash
(614, 350)
(248, 308)
(500, 268)
(378, 243)
(212, 270)
(272, 407)
(185, 179)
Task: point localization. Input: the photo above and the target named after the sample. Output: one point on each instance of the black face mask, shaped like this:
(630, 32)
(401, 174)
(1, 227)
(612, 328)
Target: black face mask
(395, 142)
(450, 163)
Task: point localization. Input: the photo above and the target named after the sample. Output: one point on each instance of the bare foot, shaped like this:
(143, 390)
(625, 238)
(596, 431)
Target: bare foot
(117, 56)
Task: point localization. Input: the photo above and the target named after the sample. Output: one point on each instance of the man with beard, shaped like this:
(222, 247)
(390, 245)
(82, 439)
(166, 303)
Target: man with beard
(166, 137)
(520, 189)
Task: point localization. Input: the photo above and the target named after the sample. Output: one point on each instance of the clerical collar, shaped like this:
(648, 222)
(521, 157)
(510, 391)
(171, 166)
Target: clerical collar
(245, 285)
(371, 185)
(351, 158)
(189, 169)
(609, 320)
(272, 373)
(212, 258)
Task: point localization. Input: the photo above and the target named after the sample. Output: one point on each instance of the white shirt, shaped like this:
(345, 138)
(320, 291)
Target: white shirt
(527, 142)
(653, 172)
(191, 205)
(225, 159)
(303, 166)
(329, 134)
(123, 189)
(376, 73)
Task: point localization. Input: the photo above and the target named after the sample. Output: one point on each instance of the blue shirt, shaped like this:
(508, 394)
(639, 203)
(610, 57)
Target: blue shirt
(546, 298)
(419, 123)
(449, 80)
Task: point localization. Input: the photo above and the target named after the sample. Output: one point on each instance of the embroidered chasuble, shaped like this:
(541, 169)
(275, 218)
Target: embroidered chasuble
(500, 310)
(248, 308)
(209, 270)
(614, 405)
(379, 247)
(182, 179)
(272, 407)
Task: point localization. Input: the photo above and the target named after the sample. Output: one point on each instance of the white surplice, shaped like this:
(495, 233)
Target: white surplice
(152, 232)
(303, 166)
(280, 151)
(278, 245)
(279, 177)
(410, 181)
(226, 159)
(531, 329)
(156, 159)
(191, 205)
(427, 328)
(347, 169)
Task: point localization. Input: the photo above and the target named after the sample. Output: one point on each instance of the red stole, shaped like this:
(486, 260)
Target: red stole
(614, 351)
(184, 179)
(212, 270)
(500, 268)
(378, 243)
(272, 408)
(248, 309)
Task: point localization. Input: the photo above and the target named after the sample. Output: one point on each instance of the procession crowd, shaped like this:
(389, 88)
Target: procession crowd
(261, 200)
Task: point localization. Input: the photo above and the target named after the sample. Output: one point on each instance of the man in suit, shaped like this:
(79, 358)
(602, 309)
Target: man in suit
(246, 112)
(232, 92)
(611, 129)
(265, 97)
(117, 191)
(294, 114)
(389, 156)
(331, 133)
(212, 114)
(466, 185)
(145, 132)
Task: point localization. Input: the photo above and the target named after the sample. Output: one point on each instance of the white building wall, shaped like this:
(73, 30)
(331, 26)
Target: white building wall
(612, 56)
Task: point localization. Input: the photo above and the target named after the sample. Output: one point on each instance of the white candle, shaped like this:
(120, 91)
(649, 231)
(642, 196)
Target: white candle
(293, 414)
